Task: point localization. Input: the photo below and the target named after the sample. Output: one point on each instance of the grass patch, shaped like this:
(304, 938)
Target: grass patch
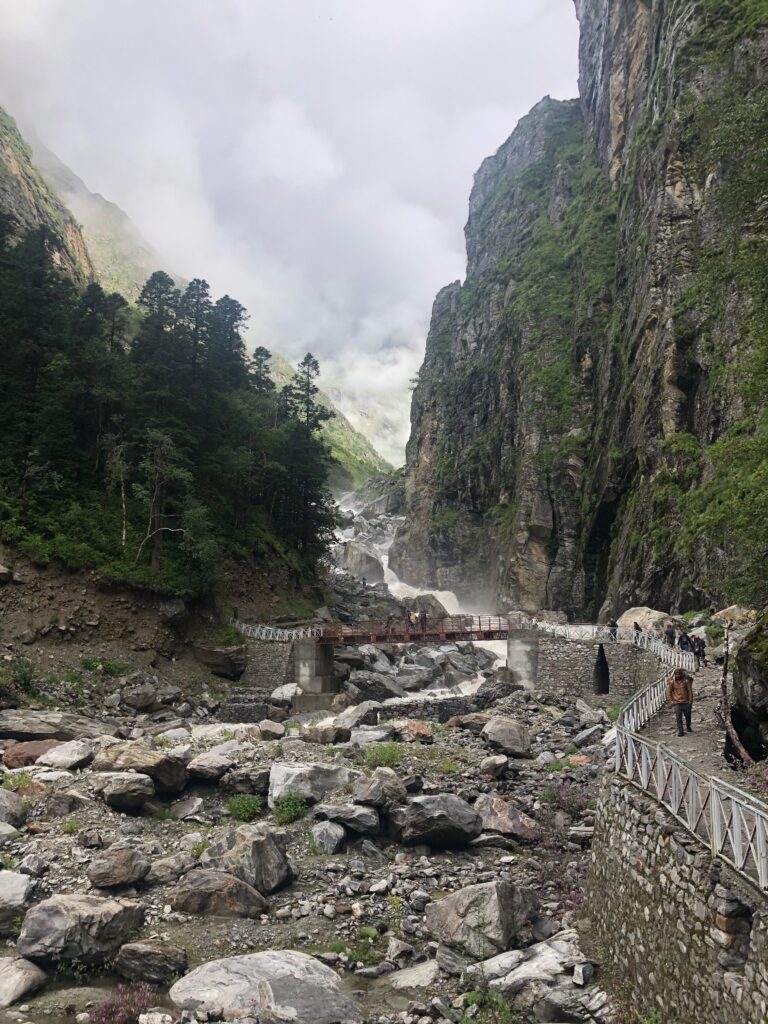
(243, 807)
(69, 828)
(112, 669)
(198, 849)
(16, 782)
(289, 807)
(382, 755)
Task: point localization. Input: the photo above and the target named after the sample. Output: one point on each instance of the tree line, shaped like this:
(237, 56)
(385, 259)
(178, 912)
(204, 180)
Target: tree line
(143, 440)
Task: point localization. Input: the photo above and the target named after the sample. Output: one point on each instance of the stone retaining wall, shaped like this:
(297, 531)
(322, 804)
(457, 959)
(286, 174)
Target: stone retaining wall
(685, 935)
(602, 672)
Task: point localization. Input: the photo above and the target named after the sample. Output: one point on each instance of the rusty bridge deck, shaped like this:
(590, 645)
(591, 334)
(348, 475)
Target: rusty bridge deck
(447, 630)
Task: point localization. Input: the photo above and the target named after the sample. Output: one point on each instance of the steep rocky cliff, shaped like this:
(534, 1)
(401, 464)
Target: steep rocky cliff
(589, 421)
(28, 202)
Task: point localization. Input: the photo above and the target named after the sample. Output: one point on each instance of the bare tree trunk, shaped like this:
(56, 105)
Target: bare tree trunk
(725, 704)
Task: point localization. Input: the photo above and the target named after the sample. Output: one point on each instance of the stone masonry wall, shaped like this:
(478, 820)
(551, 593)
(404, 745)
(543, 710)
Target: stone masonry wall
(573, 666)
(683, 934)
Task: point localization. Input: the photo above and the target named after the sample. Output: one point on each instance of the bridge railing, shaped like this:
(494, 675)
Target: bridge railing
(275, 633)
(605, 634)
(729, 821)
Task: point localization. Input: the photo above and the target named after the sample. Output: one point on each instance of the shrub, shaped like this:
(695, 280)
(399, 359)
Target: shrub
(69, 828)
(245, 808)
(448, 766)
(382, 755)
(162, 742)
(125, 1004)
(289, 807)
(199, 848)
(17, 781)
(113, 669)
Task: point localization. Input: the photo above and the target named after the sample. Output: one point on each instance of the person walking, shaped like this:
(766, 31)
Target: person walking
(684, 641)
(613, 629)
(637, 631)
(422, 621)
(670, 635)
(680, 696)
(699, 652)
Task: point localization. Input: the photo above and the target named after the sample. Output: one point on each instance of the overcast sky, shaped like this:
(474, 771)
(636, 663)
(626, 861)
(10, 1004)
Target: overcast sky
(313, 158)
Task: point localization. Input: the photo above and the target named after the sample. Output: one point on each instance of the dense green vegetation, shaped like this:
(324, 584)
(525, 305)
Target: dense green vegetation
(143, 442)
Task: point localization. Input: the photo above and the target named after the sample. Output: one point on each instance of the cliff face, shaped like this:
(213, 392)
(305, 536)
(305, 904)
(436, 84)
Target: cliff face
(586, 391)
(29, 203)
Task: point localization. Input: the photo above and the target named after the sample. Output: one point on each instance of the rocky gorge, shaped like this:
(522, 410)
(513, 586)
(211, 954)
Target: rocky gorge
(590, 387)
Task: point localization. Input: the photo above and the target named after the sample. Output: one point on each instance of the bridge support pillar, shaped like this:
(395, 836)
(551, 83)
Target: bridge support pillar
(523, 657)
(313, 674)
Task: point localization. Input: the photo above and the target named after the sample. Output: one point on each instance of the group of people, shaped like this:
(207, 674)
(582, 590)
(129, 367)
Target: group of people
(415, 622)
(696, 645)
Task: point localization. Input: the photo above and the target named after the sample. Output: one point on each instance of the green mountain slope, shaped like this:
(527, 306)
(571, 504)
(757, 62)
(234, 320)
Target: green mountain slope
(356, 457)
(29, 203)
(121, 256)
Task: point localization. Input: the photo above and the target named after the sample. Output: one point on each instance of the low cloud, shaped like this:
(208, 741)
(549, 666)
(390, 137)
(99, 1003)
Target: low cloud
(312, 158)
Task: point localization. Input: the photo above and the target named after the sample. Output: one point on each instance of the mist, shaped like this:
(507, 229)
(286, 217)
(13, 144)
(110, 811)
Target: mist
(312, 158)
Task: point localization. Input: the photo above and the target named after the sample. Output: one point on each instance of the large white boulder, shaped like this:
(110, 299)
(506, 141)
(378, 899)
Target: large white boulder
(294, 985)
(312, 781)
(18, 977)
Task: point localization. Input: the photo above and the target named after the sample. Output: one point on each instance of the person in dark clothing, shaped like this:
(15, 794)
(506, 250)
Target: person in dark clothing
(389, 623)
(699, 652)
(669, 634)
(422, 621)
(636, 631)
(684, 641)
(680, 696)
(613, 629)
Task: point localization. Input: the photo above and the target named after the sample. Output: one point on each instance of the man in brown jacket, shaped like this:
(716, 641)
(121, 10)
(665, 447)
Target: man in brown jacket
(680, 696)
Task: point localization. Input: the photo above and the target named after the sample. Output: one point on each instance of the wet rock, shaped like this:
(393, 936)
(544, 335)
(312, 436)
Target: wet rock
(20, 755)
(254, 853)
(22, 724)
(441, 821)
(481, 919)
(364, 820)
(16, 892)
(423, 975)
(67, 756)
(292, 985)
(217, 893)
(383, 789)
(374, 686)
(328, 837)
(168, 772)
(18, 977)
(150, 960)
(120, 864)
(312, 781)
(209, 767)
(500, 815)
(85, 928)
(12, 810)
(507, 735)
(125, 791)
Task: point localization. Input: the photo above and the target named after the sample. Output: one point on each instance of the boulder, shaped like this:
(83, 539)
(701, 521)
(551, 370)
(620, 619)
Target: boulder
(253, 853)
(247, 780)
(227, 662)
(295, 986)
(67, 756)
(20, 755)
(151, 960)
(442, 821)
(8, 834)
(12, 810)
(167, 771)
(209, 767)
(593, 734)
(413, 731)
(218, 894)
(364, 820)
(187, 808)
(366, 713)
(328, 837)
(648, 619)
(125, 791)
(167, 870)
(481, 919)
(312, 781)
(85, 928)
(500, 815)
(494, 765)
(120, 864)
(22, 724)
(6, 575)
(326, 733)
(374, 686)
(18, 977)
(15, 896)
(423, 975)
(353, 557)
(271, 730)
(383, 789)
(507, 735)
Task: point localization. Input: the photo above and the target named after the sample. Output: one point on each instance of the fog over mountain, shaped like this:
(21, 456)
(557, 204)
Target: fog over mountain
(312, 157)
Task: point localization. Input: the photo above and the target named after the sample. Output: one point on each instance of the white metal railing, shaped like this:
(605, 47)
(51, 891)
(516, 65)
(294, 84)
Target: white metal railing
(729, 821)
(274, 633)
(588, 631)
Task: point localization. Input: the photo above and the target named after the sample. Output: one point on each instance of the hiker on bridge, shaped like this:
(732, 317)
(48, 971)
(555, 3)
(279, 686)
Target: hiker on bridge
(699, 652)
(613, 630)
(636, 629)
(684, 641)
(680, 696)
(422, 621)
(669, 634)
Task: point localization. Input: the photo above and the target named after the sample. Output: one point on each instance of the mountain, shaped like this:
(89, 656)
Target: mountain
(357, 459)
(28, 202)
(589, 429)
(122, 259)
